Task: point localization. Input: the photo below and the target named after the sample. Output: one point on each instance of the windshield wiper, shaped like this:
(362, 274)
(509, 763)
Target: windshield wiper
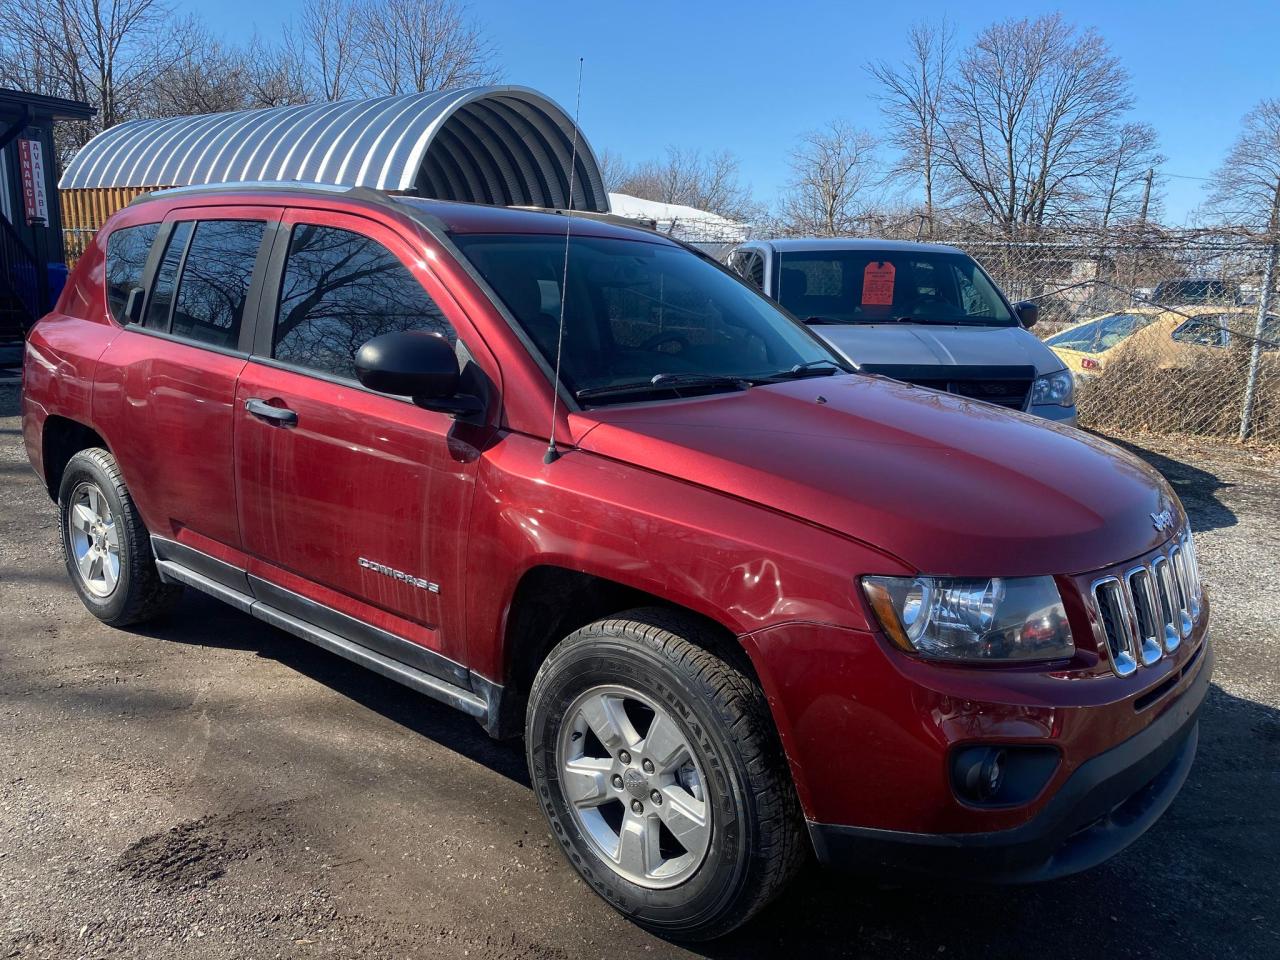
(820, 321)
(813, 368)
(663, 382)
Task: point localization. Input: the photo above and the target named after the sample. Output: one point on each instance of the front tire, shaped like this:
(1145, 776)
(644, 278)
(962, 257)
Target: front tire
(658, 767)
(106, 546)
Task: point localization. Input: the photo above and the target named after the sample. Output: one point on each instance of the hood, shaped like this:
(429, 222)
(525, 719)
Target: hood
(945, 484)
(915, 343)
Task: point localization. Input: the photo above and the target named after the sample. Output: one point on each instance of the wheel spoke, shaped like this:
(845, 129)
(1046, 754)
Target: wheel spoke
(686, 817)
(85, 563)
(638, 851)
(664, 744)
(110, 570)
(95, 504)
(113, 538)
(586, 781)
(608, 721)
(82, 517)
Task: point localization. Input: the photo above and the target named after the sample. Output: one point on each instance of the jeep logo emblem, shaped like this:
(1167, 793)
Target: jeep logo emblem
(1163, 520)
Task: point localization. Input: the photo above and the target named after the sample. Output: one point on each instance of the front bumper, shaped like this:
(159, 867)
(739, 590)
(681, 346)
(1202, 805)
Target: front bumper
(1055, 412)
(1105, 805)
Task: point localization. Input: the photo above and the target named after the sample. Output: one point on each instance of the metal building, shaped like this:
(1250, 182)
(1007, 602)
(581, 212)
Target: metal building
(501, 145)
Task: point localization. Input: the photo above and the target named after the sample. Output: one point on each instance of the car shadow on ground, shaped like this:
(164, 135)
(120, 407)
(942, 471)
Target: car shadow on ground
(1205, 851)
(1198, 489)
(202, 621)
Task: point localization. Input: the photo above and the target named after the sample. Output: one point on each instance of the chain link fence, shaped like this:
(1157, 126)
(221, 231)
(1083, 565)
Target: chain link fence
(1168, 332)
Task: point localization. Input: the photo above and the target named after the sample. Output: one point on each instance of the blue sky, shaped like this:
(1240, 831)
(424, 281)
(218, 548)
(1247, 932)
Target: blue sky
(751, 77)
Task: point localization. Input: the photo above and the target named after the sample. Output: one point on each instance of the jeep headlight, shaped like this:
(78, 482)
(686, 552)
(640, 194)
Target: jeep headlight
(949, 618)
(1059, 388)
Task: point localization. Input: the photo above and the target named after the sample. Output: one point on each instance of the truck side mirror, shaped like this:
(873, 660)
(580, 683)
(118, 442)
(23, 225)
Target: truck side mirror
(1028, 313)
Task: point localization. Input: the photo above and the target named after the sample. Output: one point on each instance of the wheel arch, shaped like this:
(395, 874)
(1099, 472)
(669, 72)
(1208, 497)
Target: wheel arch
(61, 439)
(549, 602)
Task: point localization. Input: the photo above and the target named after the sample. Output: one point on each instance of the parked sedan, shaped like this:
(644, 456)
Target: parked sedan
(1170, 338)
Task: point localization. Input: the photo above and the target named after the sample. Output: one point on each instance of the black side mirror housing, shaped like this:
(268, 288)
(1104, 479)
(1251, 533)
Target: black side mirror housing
(1028, 313)
(415, 364)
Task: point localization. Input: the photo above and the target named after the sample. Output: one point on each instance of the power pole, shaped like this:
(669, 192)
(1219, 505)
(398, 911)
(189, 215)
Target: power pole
(1142, 230)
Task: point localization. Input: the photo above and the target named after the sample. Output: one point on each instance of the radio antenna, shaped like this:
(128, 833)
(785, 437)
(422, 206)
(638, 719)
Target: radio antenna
(552, 454)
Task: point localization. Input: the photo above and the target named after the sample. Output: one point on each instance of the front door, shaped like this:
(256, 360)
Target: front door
(352, 500)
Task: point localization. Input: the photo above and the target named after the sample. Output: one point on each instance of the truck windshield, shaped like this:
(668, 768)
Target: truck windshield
(643, 320)
(884, 286)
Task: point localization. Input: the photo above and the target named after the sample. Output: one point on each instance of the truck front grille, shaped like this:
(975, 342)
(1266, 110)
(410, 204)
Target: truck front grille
(1146, 612)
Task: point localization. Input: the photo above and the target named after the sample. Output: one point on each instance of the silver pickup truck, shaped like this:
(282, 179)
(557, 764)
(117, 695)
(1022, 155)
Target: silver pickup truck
(919, 312)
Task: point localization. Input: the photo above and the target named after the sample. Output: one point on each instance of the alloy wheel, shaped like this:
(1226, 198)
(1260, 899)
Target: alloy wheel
(94, 539)
(634, 786)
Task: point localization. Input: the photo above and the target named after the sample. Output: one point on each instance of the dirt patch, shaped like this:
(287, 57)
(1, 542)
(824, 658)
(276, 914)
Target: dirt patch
(197, 852)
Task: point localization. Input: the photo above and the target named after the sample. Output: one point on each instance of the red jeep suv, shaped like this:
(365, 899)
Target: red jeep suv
(576, 480)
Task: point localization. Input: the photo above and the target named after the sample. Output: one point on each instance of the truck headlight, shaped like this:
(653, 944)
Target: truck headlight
(949, 618)
(1059, 388)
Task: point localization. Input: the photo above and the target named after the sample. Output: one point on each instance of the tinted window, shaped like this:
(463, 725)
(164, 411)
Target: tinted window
(166, 278)
(215, 281)
(341, 289)
(127, 250)
(875, 286)
(635, 310)
(755, 271)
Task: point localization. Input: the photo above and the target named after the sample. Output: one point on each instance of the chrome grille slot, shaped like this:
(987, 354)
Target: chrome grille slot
(1117, 623)
(1146, 615)
(1166, 592)
(1183, 593)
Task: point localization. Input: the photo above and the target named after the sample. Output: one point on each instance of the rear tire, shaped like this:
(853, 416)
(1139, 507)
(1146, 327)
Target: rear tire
(634, 726)
(106, 546)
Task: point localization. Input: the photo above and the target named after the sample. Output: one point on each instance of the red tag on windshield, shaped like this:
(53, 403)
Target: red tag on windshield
(877, 284)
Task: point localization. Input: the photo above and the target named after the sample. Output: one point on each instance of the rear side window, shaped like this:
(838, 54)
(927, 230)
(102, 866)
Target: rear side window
(161, 300)
(127, 250)
(341, 289)
(215, 281)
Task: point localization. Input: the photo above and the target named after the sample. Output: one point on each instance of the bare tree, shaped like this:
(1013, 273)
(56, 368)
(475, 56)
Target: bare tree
(207, 77)
(911, 97)
(614, 170)
(835, 176)
(276, 75)
(1121, 180)
(107, 53)
(418, 45)
(687, 177)
(1246, 188)
(330, 39)
(1030, 116)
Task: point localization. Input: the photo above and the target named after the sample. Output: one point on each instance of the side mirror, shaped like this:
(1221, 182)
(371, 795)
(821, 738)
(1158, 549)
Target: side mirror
(415, 364)
(1028, 313)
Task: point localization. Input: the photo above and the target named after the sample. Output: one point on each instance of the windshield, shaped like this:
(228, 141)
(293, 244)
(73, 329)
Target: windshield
(642, 319)
(881, 286)
(1103, 334)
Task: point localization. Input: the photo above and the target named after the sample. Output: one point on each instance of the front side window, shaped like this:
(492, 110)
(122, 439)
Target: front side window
(127, 251)
(215, 281)
(341, 289)
(635, 311)
(882, 286)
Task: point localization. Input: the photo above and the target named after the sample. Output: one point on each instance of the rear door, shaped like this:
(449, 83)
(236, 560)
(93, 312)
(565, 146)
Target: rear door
(169, 380)
(353, 504)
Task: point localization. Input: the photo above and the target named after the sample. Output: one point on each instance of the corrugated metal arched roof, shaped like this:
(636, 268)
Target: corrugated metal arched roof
(502, 145)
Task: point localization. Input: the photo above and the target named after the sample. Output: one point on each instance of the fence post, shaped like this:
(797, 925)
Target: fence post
(1255, 356)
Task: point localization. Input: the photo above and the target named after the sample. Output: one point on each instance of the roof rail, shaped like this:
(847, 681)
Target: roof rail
(289, 186)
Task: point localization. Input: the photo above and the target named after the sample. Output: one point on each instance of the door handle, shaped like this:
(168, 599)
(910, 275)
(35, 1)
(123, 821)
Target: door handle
(272, 414)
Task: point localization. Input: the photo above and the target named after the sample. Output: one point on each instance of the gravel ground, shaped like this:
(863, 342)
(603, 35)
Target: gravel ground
(210, 787)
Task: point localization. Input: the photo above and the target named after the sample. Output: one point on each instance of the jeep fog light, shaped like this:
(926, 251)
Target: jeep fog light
(992, 619)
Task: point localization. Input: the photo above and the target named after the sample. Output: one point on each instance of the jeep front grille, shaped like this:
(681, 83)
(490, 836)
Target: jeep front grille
(1145, 613)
